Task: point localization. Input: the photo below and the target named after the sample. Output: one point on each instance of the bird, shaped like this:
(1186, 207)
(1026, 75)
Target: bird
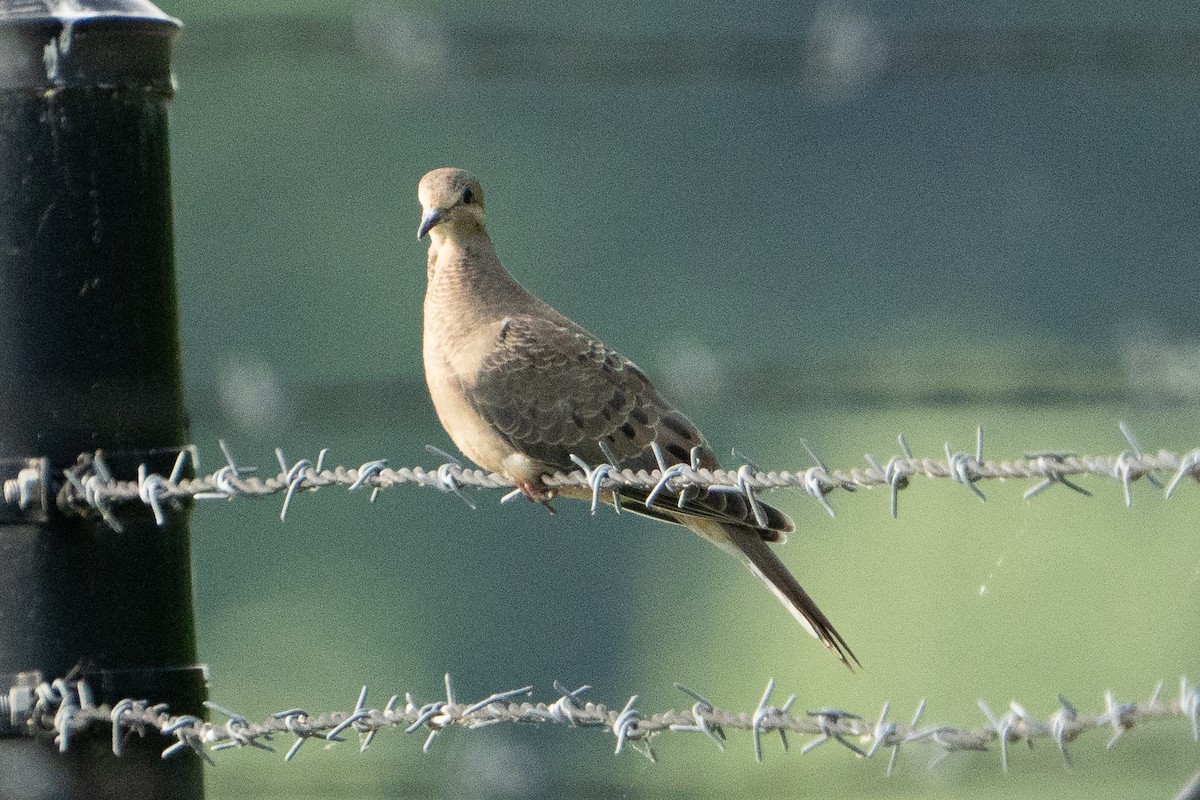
(520, 389)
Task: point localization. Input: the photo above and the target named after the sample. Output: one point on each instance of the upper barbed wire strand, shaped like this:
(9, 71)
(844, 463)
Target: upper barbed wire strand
(91, 484)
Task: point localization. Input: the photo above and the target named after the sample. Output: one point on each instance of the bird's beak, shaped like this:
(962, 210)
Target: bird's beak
(428, 221)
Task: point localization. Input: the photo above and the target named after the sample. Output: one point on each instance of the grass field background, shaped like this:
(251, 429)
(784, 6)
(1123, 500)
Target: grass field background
(922, 251)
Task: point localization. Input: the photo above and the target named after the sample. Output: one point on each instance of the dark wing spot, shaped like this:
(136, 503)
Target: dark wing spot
(618, 399)
(679, 452)
(628, 430)
(504, 326)
(638, 415)
(678, 426)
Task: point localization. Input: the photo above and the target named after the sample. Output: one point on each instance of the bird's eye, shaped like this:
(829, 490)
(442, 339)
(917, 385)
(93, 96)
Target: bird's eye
(468, 196)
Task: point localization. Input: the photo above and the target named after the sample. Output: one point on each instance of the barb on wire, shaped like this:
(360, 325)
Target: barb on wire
(700, 709)
(66, 709)
(91, 484)
(967, 470)
(894, 474)
(1127, 464)
(448, 476)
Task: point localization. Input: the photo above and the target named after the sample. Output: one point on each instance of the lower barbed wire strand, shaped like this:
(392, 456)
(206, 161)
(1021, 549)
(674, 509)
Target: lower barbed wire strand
(60, 711)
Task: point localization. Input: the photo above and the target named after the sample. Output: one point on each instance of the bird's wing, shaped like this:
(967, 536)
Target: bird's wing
(552, 390)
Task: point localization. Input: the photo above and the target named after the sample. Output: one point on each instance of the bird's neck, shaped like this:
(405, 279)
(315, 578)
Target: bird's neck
(463, 264)
(455, 250)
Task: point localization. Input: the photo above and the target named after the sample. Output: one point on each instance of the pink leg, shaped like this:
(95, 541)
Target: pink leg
(537, 492)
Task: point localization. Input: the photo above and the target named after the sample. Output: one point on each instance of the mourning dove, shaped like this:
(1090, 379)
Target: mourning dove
(520, 388)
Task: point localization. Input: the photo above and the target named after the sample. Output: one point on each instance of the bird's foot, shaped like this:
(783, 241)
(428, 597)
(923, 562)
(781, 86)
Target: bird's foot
(537, 492)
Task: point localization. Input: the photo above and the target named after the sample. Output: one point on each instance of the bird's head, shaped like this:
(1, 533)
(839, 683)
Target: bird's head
(451, 198)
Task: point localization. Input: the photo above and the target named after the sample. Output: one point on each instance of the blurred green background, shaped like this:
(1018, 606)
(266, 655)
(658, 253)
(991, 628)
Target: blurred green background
(820, 221)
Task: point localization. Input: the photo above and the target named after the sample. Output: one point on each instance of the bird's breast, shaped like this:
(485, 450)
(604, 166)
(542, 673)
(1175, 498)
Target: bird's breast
(453, 359)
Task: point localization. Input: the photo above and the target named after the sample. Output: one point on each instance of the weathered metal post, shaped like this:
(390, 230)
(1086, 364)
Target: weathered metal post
(89, 360)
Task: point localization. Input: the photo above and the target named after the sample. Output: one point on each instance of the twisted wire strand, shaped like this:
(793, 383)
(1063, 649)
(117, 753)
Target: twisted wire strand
(66, 710)
(91, 485)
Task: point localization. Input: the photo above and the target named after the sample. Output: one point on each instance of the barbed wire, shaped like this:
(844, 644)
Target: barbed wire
(66, 709)
(28, 485)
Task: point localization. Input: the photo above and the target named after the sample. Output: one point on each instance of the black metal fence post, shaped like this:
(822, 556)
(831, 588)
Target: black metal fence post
(89, 360)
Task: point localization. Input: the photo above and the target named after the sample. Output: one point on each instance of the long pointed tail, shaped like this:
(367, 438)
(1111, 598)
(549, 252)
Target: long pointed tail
(748, 544)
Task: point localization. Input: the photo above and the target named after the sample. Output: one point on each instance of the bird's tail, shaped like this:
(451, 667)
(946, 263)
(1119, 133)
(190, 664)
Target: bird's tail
(747, 543)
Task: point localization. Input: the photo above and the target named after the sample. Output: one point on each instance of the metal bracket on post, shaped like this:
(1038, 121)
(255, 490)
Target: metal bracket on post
(26, 490)
(17, 701)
